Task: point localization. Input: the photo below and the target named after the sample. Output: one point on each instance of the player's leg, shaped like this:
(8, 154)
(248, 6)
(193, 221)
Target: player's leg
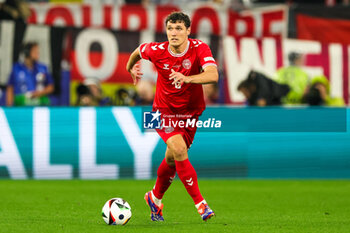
(187, 174)
(185, 171)
(165, 175)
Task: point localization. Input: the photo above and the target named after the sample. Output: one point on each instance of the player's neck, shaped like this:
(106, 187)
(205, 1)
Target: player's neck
(29, 63)
(179, 49)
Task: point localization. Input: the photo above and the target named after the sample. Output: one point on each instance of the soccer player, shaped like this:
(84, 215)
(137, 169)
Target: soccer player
(183, 65)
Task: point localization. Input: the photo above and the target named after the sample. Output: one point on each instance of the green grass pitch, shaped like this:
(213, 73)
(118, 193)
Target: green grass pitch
(264, 206)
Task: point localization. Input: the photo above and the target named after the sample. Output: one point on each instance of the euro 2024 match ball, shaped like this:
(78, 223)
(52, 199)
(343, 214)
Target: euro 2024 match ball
(116, 211)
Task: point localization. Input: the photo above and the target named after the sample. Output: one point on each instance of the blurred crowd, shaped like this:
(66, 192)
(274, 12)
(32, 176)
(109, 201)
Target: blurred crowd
(30, 82)
(89, 93)
(290, 86)
(14, 10)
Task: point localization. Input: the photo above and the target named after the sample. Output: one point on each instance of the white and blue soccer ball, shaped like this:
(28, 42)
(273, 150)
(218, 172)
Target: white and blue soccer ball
(116, 211)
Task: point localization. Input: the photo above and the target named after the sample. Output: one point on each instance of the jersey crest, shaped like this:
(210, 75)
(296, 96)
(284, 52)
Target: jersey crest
(187, 64)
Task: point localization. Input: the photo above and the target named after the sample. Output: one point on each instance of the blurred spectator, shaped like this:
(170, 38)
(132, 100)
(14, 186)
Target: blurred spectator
(125, 97)
(295, 77)
(14, 10)
(318, 94)
(237, 5)
(30, 82)
(262, 91)
(211, 93)
(96, 91)
(85, 97)
(145, 92)
(90, 94)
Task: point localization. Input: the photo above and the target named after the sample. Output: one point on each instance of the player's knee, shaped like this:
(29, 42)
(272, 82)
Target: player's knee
(170, 161)
(179, 152)
(177, 148)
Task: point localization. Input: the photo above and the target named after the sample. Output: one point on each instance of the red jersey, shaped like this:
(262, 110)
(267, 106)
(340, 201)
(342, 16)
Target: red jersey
(187, 98)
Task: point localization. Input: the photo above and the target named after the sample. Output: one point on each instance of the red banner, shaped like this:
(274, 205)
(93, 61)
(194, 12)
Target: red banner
(323, 29)
(101, 53)
(207, 19)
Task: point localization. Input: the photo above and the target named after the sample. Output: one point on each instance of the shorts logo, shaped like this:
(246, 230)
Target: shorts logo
(151, 120)
(169, 129)
(186, 64)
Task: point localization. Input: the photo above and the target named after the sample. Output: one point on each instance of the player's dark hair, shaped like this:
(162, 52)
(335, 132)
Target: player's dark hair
(178, 17)
(27, 47)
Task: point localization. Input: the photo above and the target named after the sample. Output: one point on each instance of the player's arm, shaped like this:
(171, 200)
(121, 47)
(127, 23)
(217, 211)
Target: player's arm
(209, 75)
(132, 67)
(46, 91)
(10, 88)
(9, 95)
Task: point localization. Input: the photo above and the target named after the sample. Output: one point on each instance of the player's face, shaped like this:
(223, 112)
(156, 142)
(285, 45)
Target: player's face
(177, 33)
(34, 53)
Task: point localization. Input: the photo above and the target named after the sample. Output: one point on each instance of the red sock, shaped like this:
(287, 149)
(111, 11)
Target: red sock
(188, 176)
(165, 176)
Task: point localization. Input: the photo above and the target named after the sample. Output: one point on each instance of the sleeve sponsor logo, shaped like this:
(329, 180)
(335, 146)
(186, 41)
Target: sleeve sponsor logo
(144, 48)
(209, 59)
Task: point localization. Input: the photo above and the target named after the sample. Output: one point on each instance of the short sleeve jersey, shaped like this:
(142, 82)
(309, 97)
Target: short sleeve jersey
(187, 98)
(25, 80)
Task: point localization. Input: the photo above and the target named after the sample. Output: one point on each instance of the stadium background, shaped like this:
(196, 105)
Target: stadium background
(94, 39)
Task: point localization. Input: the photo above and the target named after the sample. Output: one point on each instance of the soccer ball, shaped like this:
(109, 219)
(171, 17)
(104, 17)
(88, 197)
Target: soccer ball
(116, 211)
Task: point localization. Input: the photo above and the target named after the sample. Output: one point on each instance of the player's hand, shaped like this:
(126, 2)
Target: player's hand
(135, 73)
(35, 94)
(178, 78)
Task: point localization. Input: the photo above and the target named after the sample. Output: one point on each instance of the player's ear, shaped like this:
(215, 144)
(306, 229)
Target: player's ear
(188, 31)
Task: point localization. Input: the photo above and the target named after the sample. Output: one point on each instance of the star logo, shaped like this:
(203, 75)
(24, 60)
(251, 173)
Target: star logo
(151, 120)
(155, 115)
